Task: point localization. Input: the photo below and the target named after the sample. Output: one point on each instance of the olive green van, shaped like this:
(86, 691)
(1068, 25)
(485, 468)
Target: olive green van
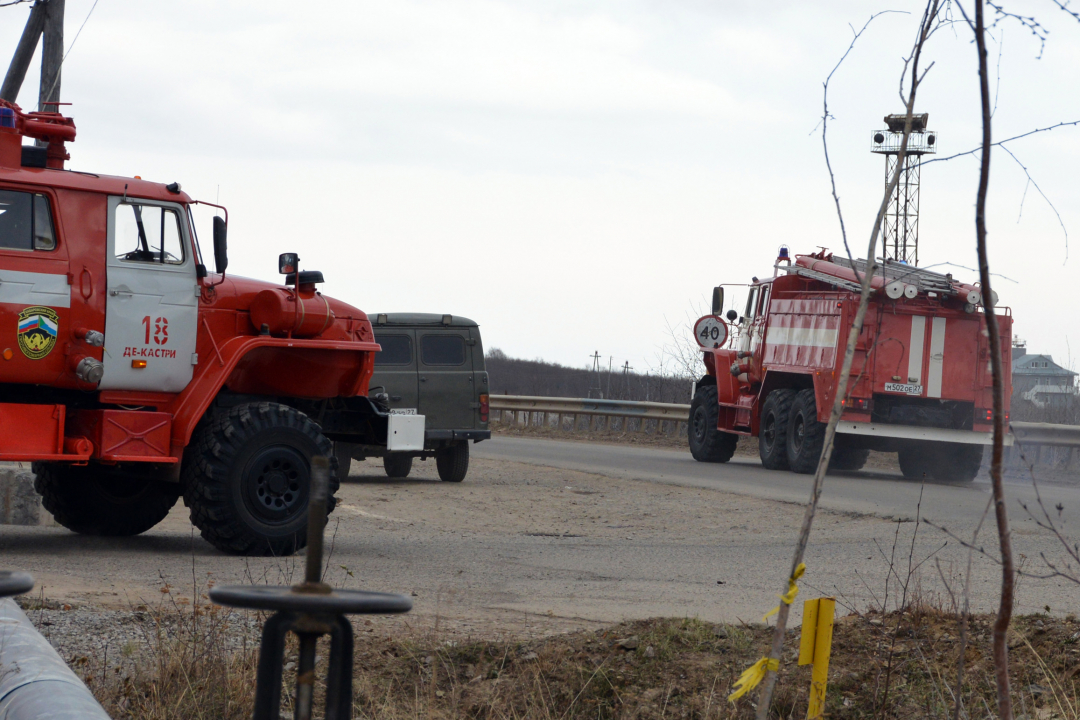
(430, 365)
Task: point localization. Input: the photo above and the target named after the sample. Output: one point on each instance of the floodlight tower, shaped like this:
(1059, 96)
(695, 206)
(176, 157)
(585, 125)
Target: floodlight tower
(900, 226)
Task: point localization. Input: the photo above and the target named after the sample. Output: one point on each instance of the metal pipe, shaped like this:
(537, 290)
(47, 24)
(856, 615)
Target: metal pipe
(34, 681)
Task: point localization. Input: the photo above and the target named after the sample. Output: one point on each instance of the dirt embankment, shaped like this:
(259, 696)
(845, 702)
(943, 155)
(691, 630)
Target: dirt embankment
(186, 661)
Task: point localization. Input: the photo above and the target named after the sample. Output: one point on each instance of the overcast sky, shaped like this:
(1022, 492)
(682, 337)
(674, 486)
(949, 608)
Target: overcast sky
(575, 176)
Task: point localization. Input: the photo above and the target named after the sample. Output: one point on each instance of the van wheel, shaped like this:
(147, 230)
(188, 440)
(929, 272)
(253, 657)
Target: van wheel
(707, 442)
(397, 465)
(247, 478)
(343, 453)
(453, 462)
(805, 435)
(100, 500)
(848, 459)
(772, 438)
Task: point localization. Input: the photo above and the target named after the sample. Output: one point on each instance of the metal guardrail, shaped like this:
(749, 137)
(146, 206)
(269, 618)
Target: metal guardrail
(1029, 433)
(589, 406)
(1025, 433)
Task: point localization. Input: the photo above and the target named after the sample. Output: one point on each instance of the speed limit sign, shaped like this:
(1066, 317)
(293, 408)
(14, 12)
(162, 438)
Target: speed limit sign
(710, 332)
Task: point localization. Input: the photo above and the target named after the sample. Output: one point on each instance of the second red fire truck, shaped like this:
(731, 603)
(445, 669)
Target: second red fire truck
(920, 382)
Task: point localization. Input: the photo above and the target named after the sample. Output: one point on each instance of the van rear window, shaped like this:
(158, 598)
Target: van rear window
(396, 350)
(442, 350)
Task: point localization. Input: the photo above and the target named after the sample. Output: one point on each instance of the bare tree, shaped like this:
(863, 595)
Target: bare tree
(928, 24)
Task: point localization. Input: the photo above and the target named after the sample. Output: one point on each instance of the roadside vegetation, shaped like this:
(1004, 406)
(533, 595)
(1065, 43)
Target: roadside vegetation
(196, 661)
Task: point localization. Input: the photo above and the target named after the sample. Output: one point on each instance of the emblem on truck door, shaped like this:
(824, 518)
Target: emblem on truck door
(38, 327)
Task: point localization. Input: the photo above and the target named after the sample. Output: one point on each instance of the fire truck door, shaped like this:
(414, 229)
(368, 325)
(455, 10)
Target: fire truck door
(151, 307)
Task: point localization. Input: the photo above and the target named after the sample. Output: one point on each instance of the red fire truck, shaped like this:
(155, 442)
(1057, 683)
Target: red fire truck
(130, 375)
(920, 382)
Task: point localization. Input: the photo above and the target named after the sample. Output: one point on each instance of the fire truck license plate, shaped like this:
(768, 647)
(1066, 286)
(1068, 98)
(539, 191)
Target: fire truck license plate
(902, 388)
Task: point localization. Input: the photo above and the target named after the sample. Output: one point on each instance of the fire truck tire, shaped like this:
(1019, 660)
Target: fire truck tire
(247, 477)
(914, 462)
(397, 465)
(772, 437)
(805, 435)
(453, 462)
(848, 459)
(707, 442)
(109, 501)
(956, 462)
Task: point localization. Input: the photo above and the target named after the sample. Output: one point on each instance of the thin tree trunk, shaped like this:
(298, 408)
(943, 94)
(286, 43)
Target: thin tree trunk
(768, 684)
(1005, 608)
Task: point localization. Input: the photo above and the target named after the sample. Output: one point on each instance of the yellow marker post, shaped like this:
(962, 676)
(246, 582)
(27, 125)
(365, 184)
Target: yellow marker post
(815, 646)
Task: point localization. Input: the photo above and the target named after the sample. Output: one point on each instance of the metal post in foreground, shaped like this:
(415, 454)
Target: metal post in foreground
(34, 681)
(309, 610)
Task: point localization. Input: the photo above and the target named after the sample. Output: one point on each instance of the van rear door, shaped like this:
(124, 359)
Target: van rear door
(446, 378)
(395, 369)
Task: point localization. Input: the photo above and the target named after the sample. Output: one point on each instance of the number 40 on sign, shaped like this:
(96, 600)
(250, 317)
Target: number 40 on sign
(710, 332)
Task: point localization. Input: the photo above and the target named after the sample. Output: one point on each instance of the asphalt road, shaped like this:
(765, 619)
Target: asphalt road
(545, 536)
(879, 493)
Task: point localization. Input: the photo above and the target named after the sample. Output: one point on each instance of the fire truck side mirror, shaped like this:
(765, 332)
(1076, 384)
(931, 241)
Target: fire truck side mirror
(221, 254)
(287, 263)
(732, 315)
(717, 300)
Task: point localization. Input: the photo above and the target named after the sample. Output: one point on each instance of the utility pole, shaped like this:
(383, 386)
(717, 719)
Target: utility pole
(609, 361)
(24, 52)
(47, 22)
(596, 369)
(52, 57)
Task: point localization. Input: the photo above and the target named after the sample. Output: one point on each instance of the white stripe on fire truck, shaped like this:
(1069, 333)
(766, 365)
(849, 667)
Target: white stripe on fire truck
(915, 350)
(937, 358)
(810, 337)
(31, 288)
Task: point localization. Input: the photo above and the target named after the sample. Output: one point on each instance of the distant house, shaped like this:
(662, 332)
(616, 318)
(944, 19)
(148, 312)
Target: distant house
(1040, 380)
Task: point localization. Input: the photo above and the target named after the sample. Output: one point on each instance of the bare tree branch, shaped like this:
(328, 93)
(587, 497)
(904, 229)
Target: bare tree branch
(927, 24)
(1008, 576)
(1031, 181)
(825, 128)
(1001, 143)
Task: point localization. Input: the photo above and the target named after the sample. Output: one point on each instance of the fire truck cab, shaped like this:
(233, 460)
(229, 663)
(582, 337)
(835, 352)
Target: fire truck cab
(132, 375)
(920, 382)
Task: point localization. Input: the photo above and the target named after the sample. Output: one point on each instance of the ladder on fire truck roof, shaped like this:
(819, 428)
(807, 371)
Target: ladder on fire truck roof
(892, 270)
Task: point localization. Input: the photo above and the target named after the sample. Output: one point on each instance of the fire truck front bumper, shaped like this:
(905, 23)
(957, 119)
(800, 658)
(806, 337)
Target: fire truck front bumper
(910, 432)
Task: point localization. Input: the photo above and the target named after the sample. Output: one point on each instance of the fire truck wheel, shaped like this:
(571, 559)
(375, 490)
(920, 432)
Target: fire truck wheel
(453, 462)
(849, 459)
(247, 475)
(99, 500)
(707, 442)
(397, 465)
(914, 462)
(772, 438)
(805, 435)
(956, 462)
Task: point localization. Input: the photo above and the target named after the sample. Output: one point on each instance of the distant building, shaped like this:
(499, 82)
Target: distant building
(1040, 380)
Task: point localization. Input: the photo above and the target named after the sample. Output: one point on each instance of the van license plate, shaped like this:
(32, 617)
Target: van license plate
(402, 411)
(902, 388)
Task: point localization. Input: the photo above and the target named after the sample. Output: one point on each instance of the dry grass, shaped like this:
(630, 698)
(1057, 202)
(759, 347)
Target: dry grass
(196, 663)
